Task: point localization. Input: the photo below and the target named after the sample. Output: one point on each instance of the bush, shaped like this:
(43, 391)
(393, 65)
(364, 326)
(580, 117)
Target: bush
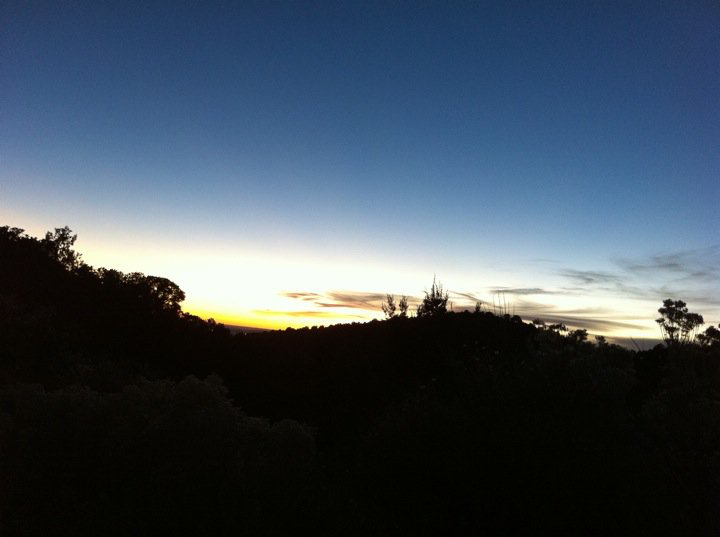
(156, 458)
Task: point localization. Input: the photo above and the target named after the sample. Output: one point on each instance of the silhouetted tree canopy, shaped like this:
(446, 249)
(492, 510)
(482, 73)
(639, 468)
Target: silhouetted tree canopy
(59, 245)
(711, 336)
(677, 324)
(122, 415)
(155, 458)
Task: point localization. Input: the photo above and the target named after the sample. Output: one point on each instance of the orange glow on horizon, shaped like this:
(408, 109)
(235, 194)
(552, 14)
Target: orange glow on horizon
(273, 288)
(279, 320)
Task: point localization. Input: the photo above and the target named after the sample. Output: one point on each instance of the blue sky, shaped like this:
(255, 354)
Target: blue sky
(253, 151)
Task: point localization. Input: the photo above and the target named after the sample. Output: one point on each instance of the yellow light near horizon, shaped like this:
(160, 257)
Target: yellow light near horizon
(246, 288)
(242, 285)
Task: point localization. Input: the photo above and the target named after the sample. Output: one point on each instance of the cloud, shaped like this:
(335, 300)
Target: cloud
(342, 299)
(697, 264)
(469, 296)
(593, 319)
(331, 300)
(355, 299)
(589, 323)
(522, 291)
(690, 275)
(590, 277)
(595, 312)
(302, 296)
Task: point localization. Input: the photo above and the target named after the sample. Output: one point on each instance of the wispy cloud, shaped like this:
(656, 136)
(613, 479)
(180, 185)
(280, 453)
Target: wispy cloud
(340, 299)
(522, 291)
(591, 324)
(697, 264)
(590, 277)
(355, 299)
(593, 319)
(469, 296)
(302, 296)
(692, 275)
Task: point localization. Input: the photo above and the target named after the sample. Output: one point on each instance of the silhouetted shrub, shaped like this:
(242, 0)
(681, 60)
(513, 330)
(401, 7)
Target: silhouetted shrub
(435, 301)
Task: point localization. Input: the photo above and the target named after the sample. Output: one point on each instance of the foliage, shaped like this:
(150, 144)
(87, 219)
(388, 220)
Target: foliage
(578, 335)
(178, 456)
(59, 245)
(442, 424)
(711, 336)
(435, 301)
(388, 306)
(403, 306)
(677, 324)
(392, 310)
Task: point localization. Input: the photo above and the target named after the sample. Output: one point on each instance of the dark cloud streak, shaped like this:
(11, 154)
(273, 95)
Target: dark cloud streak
(342, 299)
(691, 275)
(590, 277)
(522, 291)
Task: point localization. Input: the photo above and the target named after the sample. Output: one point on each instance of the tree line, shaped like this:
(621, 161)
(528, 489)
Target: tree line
(120, 414)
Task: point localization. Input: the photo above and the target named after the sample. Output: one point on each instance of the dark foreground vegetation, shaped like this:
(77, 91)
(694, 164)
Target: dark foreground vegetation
(122, 415)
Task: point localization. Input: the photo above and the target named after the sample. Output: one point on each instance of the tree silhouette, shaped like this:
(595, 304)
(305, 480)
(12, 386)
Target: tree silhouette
(59, 246)
(403, 306)
(677, 324)
(711, 336)
(479, 422)
(578, 336)
(434, 303)
(165, 293)
(388, 306)
(11, 233)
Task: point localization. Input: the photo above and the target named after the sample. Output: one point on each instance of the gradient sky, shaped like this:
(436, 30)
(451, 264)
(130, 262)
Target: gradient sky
(287, 163)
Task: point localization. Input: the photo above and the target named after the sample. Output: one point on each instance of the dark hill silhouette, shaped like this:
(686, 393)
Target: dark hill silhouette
(122, 415)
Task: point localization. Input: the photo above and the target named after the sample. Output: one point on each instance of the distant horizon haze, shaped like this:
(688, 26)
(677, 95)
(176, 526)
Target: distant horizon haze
(610, 313)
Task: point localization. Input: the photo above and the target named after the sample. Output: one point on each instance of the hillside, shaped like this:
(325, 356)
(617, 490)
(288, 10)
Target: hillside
(122, 415)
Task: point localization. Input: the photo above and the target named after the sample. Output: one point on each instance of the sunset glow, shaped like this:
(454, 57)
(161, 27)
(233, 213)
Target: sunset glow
(287, 170)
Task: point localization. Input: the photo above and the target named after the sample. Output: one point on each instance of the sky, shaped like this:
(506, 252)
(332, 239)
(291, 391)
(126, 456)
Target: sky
(289, 163)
